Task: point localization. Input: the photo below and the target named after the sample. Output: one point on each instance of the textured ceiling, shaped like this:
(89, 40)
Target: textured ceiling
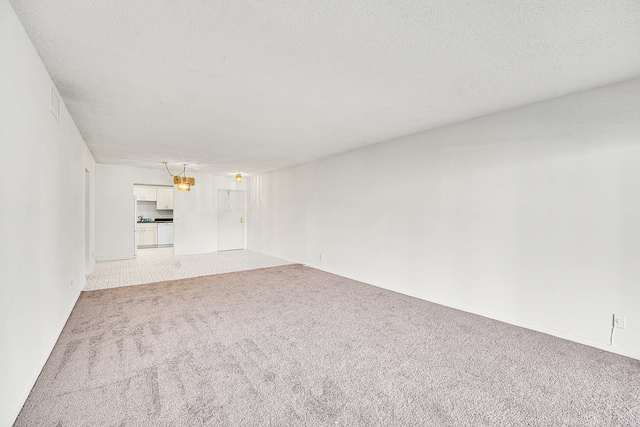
(252, 86)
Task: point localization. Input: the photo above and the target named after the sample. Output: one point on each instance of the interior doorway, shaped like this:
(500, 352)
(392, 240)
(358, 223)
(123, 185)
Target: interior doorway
(87, 222)
(230, 220)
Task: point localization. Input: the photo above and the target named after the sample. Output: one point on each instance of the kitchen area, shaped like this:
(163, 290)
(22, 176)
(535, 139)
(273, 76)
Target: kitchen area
(153, 222)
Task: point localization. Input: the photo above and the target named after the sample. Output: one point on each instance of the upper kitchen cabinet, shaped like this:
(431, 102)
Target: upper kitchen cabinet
(164, 198)
(145, 193)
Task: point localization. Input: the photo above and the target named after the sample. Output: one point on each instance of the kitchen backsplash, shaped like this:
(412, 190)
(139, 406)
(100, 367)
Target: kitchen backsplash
(148, 210)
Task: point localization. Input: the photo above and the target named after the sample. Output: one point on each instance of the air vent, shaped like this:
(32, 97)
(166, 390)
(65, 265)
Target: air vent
(55, 104)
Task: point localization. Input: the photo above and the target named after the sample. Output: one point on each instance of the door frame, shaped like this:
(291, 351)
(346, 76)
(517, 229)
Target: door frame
(244, 217)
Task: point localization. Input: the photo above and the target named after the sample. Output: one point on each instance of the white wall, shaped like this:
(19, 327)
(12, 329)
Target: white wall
(194, 217)
(530, 216)
(41, 216)
(193, 212)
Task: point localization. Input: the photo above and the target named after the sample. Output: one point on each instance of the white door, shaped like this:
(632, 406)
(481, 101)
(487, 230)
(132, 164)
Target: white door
(230, 220)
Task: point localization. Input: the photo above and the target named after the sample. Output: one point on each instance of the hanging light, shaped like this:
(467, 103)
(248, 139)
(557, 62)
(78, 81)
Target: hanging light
(181, 180)
(239, 177)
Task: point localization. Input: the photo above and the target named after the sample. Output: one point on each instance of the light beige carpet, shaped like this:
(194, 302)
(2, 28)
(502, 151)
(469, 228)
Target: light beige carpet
(292, 346)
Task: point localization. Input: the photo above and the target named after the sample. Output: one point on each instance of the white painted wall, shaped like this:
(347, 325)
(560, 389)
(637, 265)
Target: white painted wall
(530, 216)
(195, 218)
(193, 212)
(194, 221)
(41, 216)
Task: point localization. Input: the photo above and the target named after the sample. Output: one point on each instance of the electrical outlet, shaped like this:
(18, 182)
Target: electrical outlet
(321, 257)
(72, 283)
(619, 321)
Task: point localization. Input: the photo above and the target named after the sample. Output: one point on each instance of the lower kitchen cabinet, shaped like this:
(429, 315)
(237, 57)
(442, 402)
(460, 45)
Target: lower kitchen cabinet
(147, 234)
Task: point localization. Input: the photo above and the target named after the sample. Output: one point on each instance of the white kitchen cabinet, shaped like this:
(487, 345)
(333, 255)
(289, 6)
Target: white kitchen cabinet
(147, 234)
(145, 193)
(164, 198)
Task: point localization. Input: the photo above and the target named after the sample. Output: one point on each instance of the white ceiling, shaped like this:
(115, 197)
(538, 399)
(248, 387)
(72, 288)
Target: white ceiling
(251, 86)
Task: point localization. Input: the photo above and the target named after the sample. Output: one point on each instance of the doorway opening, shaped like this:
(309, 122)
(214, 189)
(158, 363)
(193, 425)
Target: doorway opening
(87, 222)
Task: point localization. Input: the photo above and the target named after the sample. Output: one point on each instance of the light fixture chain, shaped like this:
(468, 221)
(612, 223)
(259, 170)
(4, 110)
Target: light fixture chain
(183, 183)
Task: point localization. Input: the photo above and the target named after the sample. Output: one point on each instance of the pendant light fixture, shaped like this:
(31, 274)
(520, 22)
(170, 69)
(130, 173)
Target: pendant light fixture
(182, 182)
(239, 177)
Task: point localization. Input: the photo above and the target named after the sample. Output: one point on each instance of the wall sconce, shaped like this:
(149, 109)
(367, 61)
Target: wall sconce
(239, 177)
(183, 183)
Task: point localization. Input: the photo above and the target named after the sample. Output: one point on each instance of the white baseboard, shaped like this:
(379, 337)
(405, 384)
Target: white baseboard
(495, 316)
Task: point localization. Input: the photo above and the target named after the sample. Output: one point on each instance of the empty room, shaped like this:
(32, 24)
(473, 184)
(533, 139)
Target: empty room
(366, 213)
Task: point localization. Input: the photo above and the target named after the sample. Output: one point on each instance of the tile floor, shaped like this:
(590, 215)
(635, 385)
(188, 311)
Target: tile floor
(159, 264)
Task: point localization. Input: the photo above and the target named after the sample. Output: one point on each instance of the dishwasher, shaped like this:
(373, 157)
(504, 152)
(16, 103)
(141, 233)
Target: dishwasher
(165, 234)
